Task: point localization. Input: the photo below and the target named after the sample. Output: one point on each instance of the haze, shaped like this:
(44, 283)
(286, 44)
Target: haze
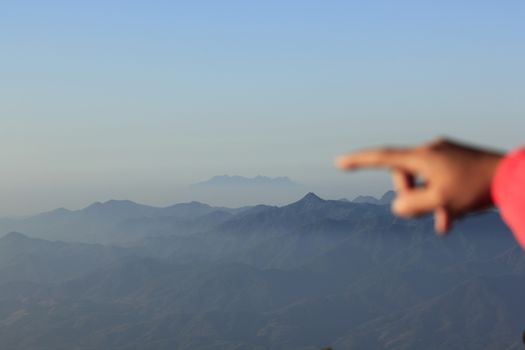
(138, 100)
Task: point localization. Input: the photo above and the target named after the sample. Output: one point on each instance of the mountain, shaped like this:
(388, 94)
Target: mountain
(114, 221)
(25, 259)
(366, 199)
(301, 276)
(386, 199)
(235, 180)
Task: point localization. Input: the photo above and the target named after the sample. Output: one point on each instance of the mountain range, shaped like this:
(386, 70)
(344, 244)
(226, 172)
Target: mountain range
(306, 275)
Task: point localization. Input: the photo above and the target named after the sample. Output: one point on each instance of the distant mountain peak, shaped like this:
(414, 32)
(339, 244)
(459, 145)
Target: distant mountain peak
(386, 199)
(119, 201)
(366, 199)
(309, 201)
(311, 197)
(192, 204)
(113, 203)
(14, 236)
(259, 180)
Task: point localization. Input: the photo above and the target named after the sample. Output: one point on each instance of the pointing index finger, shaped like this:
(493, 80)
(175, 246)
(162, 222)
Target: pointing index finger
(377, 158)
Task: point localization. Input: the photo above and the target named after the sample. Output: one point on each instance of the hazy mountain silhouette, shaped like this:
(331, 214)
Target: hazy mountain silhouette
(112, 221)
(387, 198)
(235, 180)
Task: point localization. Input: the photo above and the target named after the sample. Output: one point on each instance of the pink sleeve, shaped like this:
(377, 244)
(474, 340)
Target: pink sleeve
(508, 192)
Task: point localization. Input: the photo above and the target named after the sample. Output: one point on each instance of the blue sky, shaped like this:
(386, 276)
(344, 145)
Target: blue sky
(138, 99)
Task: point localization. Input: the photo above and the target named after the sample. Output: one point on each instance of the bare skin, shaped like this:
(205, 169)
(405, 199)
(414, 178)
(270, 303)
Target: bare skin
(456, 178)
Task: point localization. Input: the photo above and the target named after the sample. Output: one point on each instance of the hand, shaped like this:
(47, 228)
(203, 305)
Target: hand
(456, 179)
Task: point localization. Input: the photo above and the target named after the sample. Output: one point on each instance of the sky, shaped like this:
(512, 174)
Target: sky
(139, 99)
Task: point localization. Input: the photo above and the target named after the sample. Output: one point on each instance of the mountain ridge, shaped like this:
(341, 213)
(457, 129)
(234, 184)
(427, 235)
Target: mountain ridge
(309, 274)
